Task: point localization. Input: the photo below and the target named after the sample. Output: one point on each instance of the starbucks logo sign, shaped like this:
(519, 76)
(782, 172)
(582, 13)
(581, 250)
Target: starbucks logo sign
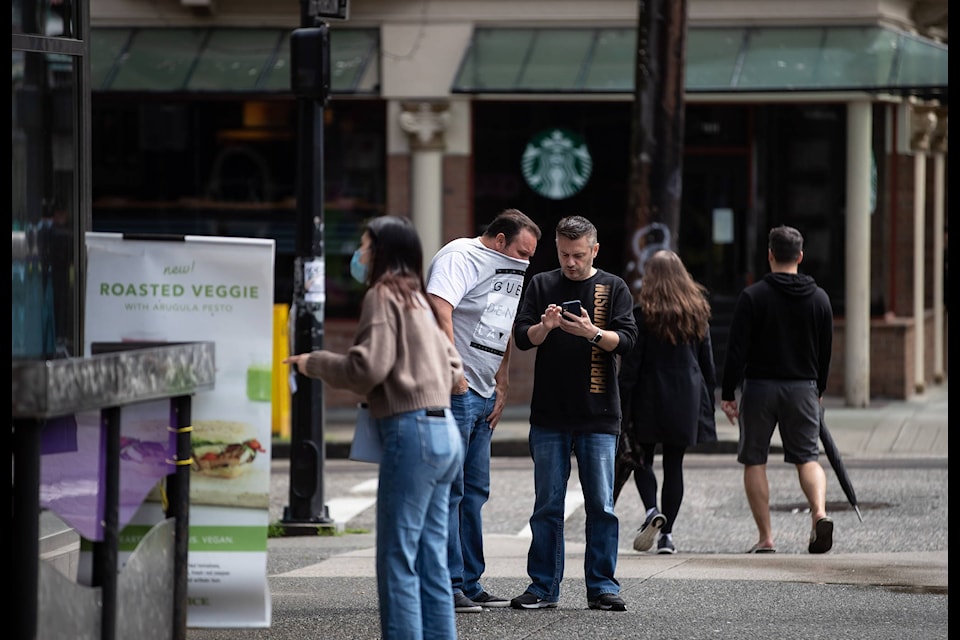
(556, 164)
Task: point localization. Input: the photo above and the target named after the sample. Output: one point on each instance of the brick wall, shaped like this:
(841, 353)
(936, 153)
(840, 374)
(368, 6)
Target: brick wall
(892, 364)
(458, 218)
(398, 185)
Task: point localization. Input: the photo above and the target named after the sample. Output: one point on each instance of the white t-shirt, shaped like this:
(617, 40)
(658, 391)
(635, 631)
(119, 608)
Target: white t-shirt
(484, 287)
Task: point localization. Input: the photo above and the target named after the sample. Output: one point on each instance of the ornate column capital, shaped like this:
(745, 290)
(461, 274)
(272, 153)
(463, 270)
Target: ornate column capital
(923, 124)
(425, 124)
(938, 140)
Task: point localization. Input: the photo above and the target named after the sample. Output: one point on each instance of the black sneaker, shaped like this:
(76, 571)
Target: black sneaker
(463, 604)
(608, 602)
(648, 531)
(665, 544)
(531, 601)
(485, 599)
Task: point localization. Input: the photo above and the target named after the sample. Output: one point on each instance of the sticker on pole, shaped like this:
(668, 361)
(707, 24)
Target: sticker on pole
(314, 288)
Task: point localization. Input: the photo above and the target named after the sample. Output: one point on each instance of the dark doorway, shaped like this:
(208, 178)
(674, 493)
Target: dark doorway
(714, 222)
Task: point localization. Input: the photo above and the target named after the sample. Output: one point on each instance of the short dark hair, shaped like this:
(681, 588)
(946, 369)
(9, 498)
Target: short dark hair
(576, 227)
(510, 222)
(785, 243)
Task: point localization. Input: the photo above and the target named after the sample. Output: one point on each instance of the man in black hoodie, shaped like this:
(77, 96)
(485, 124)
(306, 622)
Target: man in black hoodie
(779, 350)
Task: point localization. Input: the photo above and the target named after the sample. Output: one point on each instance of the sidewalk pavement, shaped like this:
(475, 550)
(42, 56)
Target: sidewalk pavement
(913, 428)
(881, 596)
(325, 586)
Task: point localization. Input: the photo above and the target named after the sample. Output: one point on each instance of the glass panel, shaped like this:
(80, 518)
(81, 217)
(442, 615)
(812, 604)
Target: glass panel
(44, 17)
(158, 60)
(106, 46)
(613, 61)
(234, 59)
(493, 60)
(556, 60)
(854, 57)
(780, 59)
(351, 51)
(922, 63)
(712, 58)
(353, 63)
(44, 205)
(278, 75)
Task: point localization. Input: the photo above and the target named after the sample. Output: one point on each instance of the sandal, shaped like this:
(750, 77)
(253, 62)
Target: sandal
(758, 549)
(821, 538)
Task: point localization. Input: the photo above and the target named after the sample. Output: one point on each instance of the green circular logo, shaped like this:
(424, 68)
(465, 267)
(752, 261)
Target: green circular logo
(556, 164)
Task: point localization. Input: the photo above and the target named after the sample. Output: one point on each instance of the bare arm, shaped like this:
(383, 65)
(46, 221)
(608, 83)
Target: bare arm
(549, 320)
(444, 311)
(502, 378)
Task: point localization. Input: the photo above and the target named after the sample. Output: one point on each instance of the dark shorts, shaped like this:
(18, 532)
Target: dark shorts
(794, 405)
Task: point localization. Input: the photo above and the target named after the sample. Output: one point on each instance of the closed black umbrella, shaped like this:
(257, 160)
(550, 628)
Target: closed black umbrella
(833, 455)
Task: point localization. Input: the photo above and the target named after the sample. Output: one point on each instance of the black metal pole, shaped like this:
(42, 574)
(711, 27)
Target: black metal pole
(26, 526)
(179, 509)
(106, 561)
(310, 61)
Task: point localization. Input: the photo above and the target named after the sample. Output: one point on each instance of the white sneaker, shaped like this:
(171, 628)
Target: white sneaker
(647, 533)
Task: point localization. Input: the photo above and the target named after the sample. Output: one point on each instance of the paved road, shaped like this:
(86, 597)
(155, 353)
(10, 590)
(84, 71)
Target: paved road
(885, 578)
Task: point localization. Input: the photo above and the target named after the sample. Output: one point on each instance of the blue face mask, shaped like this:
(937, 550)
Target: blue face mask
(357, 269)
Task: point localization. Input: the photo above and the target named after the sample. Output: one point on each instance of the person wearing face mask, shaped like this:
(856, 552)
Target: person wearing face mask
(475, 285)
(405, 366)
(358, 266)
(575, 408)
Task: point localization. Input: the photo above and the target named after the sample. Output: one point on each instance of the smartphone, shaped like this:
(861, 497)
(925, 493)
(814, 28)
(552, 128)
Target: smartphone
(571, 306)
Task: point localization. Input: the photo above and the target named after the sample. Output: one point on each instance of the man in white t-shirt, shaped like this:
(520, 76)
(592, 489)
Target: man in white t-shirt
(475, 286)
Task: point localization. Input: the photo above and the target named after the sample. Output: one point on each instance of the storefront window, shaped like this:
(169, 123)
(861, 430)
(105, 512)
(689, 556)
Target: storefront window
(54, 18)
(228, 167)
(43, 175)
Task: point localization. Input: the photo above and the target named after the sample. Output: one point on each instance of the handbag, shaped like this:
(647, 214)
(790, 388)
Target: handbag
(366, 445)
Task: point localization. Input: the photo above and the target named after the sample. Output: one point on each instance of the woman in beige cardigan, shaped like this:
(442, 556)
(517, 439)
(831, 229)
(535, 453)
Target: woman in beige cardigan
(406, 367)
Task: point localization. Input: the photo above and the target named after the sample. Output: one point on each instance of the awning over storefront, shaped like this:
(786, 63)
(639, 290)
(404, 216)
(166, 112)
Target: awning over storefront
(223, 60)
(719, 60)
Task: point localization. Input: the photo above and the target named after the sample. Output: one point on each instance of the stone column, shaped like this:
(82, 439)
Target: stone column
(938, 145)
(923, 124)
(425, 123)
(856, 374)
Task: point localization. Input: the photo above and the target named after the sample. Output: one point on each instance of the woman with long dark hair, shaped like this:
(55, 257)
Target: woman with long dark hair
(667, 386)
(406, 367)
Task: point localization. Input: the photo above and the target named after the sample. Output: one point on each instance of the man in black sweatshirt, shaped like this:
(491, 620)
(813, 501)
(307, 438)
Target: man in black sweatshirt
(779, 354)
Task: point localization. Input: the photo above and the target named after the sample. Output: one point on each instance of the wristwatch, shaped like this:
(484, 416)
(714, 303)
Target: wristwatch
(597, 338)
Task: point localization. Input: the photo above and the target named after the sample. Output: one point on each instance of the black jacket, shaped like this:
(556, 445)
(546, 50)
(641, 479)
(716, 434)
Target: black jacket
(782, 329)
(667, 391)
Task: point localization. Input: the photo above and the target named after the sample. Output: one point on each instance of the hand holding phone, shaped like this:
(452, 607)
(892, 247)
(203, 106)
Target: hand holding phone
(572, 307)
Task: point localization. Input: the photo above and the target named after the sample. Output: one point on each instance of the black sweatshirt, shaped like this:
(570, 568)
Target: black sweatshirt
(575, 382)
(782, 329)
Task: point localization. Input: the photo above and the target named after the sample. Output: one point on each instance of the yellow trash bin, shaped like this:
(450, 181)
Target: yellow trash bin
(281, 379)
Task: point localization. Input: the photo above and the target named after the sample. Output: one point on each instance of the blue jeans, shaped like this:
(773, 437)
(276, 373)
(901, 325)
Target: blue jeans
(469, 492)
(421, 456)
(596, 454)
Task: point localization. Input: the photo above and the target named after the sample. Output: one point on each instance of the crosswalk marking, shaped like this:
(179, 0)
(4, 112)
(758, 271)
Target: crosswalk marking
(343, 509)
(368, 486)
(572, 503)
